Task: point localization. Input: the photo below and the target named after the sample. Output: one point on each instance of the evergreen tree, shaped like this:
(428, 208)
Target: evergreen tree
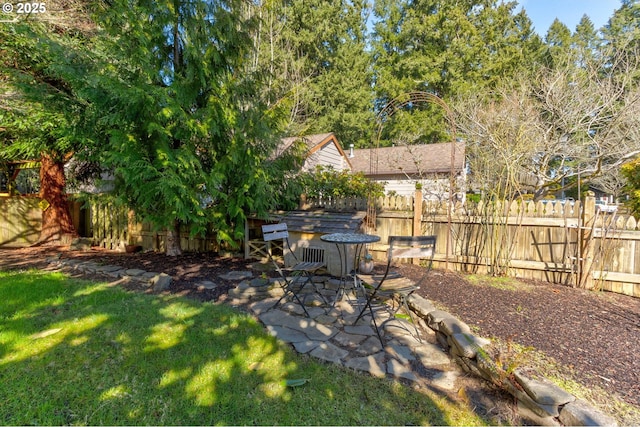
(559, 44)
(622, 37)
(315, 52)
(585, 42)
(163, 97)
(187, 130)
(41, 57)
(446, 49)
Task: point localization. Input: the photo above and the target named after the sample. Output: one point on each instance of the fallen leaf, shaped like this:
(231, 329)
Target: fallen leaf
(296, 382)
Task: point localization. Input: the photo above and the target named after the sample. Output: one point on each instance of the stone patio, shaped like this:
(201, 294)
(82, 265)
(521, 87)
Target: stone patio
(329, 334)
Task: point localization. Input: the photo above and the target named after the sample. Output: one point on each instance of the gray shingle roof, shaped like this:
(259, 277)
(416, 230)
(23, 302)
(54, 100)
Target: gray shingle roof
(410, 159)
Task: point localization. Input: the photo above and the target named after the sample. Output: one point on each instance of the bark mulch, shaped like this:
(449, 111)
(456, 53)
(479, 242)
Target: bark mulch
(594, 337)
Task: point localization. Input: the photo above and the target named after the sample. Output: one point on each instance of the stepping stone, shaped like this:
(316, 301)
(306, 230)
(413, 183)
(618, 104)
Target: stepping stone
(312, 329)
(115, 273)
(370, 346)
(236, 275)
(134, 272)
(207, 284)
(108, 268)
(89, 267)
(305, 346)
(397, 369)
(329, 352)
(431, 355)
(401, 353)
(365, 330)
(316, 312)
(374, 364)
(286, 334)
(349, 340)
(445, 380)
(325, 319)
(261, 307)
(259, 282)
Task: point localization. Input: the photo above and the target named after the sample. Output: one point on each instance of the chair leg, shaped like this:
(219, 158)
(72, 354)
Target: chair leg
(373, 318)
(287, 290)
(403, 302)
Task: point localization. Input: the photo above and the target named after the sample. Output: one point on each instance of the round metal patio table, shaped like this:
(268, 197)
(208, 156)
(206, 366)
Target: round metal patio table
(342, 241)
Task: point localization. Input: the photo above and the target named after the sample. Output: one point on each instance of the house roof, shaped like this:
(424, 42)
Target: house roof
(409, 159)
(313, 143)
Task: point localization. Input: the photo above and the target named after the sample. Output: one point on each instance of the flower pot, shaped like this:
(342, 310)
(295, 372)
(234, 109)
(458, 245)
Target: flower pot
(132, 248)
(366, 266)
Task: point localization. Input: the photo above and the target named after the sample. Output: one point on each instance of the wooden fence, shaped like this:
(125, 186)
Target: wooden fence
(115, 227)
(572, 244)
(20, 221)
(108, 226)
(569, 243)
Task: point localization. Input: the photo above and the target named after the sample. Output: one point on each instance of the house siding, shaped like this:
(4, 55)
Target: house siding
(434, 188)
(327, 155)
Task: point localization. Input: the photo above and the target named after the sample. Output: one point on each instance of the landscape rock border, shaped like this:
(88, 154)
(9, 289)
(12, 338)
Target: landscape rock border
(542, 402)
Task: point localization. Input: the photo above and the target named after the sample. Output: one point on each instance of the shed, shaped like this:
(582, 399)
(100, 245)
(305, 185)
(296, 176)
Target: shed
(305, 229)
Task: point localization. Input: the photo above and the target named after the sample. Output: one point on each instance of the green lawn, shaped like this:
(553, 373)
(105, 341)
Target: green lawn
(79, 352)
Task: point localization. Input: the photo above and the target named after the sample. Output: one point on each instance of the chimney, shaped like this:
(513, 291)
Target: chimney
(351, 151)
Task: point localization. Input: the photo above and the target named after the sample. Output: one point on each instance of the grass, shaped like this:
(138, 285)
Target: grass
(78, 352)
(500, 282)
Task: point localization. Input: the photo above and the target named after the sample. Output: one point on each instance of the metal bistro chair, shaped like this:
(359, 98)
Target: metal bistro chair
(293, 279)
(391, 284)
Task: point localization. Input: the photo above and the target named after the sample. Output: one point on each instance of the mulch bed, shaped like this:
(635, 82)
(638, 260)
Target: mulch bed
(593, 335)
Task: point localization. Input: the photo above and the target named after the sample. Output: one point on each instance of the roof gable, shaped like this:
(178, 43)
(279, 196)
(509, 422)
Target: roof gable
(313, 144)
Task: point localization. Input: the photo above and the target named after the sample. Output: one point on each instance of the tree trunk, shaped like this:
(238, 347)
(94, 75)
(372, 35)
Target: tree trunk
(173, 240)
(57, 225)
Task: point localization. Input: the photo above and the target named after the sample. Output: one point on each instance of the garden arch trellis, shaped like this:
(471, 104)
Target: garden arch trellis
(389, 110)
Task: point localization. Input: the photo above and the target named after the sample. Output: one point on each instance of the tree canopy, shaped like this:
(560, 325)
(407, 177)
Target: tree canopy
(183, 103)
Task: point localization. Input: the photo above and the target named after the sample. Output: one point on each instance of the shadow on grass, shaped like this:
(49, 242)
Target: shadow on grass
(77, 352)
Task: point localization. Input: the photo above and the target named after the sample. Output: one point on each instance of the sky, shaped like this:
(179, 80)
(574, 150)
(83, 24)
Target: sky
(569, 12)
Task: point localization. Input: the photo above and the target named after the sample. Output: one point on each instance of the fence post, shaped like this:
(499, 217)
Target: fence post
(417, 212)
(131, 224)
(417, 217)
(587, 242)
